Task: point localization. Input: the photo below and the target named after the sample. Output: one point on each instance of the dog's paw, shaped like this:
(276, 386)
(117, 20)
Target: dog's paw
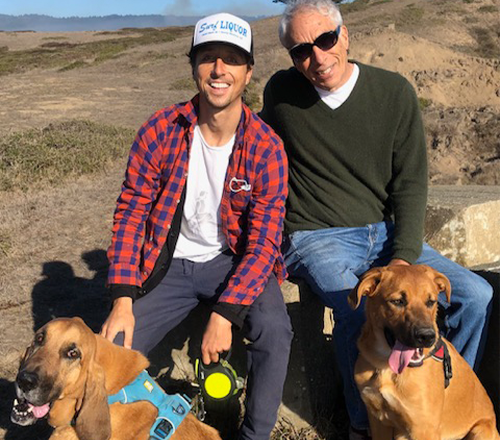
(374, 402)
(64, 433)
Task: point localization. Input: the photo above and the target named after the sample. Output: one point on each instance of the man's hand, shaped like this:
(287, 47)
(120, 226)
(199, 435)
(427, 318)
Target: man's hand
(217, 338)
(398, 262)
(121, 319)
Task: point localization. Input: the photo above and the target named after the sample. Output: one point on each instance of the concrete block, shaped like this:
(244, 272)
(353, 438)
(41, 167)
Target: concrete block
(463, 223)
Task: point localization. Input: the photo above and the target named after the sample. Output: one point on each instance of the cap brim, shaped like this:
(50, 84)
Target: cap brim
(208, 43)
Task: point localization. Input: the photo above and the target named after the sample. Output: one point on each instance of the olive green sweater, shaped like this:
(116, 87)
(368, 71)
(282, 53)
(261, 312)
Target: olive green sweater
(364, 162)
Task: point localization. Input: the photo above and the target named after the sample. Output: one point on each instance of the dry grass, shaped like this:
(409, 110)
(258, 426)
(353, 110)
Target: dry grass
(488, 41)
(409, 16)
(49, 156)
(186, 83)
(285, 430)
(252, 96)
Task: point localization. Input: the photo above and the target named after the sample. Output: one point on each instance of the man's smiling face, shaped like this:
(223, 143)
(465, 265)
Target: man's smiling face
(327, 70)
(221, 73)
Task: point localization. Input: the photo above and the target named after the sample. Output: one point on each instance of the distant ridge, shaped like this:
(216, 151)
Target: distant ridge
(45, 23)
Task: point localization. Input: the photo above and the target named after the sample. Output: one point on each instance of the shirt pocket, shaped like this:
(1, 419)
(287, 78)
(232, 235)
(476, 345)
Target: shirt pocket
(240, 192)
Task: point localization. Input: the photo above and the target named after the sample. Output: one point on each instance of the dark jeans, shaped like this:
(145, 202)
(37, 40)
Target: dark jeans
(267, 326)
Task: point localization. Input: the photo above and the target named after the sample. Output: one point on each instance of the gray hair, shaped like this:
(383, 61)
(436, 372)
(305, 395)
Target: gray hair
(324, 7)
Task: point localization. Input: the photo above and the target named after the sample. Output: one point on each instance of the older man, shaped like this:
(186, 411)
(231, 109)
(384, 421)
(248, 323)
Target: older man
(357, 182)
(200, 218)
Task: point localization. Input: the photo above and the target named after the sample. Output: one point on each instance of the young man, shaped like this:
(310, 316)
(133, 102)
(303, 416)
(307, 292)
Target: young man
(200, 218)
(358, 183)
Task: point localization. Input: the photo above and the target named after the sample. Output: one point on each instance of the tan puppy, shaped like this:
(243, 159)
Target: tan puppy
(401, 376)
(68, 373)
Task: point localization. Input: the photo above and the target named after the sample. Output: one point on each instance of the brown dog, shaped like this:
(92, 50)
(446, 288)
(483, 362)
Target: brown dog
(68, 373)
(403, 379)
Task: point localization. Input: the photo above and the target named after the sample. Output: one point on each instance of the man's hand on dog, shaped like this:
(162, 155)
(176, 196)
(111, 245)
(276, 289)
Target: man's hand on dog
(121, 319)
(398, 262)
(217, 338)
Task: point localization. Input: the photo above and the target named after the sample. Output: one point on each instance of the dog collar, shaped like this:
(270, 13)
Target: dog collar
(440, 353)
(172, 409)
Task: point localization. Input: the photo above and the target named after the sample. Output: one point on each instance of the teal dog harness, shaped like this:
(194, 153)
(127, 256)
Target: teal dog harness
(172, 409)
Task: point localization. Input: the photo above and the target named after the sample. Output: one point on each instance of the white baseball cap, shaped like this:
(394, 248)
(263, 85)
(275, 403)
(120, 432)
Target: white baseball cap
(223, 28)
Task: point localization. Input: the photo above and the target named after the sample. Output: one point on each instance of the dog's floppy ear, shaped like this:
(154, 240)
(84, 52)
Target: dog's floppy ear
(93, 420)
(443, 284)
(121, 365)
(366, 286)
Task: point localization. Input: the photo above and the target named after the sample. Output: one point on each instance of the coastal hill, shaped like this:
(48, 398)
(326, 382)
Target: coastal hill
(448, 49)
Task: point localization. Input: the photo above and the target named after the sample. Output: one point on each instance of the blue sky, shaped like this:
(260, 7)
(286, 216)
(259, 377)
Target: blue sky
(85, 8)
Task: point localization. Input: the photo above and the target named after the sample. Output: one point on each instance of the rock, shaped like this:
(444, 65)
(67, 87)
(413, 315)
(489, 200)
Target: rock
(463, 223)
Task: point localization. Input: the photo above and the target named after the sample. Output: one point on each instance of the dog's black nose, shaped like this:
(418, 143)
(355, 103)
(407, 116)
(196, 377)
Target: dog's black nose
(27, 380)
(425, 336)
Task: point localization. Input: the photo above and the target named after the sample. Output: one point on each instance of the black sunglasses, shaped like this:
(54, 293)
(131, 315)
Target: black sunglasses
(325, 41)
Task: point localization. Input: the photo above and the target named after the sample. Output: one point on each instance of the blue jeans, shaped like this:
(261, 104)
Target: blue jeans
(331, 260)
(267, 327)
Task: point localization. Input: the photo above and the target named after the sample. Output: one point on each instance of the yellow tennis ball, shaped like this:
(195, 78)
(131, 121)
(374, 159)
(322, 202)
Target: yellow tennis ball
(217, 385)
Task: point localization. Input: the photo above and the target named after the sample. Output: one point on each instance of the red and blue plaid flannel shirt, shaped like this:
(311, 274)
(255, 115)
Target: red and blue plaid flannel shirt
(252, 217)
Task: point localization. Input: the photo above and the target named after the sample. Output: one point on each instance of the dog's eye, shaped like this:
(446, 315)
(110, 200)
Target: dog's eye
(430, 303)
(73, 353)
(397, 302)
(39, 337)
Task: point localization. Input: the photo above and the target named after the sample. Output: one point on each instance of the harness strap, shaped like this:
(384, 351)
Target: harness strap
(172, 409)
(441, 353)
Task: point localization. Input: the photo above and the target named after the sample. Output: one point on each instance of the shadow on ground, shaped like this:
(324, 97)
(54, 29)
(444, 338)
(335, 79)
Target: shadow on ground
(62, 294)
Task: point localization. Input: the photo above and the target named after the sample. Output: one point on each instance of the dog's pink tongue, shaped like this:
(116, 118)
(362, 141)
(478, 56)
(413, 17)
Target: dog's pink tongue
(40, 411)
(400, 357)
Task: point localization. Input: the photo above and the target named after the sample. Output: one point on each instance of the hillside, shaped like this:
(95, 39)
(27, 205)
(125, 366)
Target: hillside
(86, 93)
(448, 49)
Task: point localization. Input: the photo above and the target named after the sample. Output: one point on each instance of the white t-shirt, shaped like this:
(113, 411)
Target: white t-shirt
(201, 237)
(336, 98)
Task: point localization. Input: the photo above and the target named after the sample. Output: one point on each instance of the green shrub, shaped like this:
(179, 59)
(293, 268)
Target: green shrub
(487, 47)
(62, 54)
(424, 103)
(73, 65)
(55, 38)
(488, 9)
(410, 16)
(358, 5)
(5, 243)
(49, 156)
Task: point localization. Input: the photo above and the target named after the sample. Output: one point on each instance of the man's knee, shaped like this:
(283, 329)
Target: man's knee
(474, 292)
(272, 327)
